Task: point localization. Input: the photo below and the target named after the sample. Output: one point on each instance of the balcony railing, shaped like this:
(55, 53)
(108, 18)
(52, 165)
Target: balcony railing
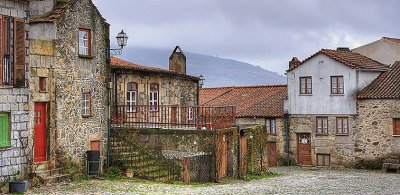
(173, 117)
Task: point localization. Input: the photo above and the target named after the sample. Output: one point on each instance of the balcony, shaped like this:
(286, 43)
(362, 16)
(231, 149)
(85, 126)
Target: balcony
(173, 117)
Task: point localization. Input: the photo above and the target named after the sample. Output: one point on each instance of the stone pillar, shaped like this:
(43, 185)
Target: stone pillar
(177, 61)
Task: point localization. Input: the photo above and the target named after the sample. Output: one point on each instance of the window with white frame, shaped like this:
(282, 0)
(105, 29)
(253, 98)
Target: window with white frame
(85, 42)
(322, 125)
(337, 85)
(271, 126)
(131, 96)
(154, 97)
(342, 125)
(190, 113)
(86, 104)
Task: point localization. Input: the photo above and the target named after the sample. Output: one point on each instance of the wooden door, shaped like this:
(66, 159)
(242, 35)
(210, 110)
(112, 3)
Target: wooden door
(40, 132)
(174, 115)
(304, 148)
(222, 155)
(243, 156)
(272, 157)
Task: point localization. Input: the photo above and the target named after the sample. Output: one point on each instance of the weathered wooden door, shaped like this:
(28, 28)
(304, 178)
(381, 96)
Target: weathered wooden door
(304, 148)
(272, 158)
(40, 132)
(222, 155)
(243, 156)
(174, 115)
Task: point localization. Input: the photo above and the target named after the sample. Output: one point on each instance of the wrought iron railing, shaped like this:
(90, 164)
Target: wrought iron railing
(173, 117)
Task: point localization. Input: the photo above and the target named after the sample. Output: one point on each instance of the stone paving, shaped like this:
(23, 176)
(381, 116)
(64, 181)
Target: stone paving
(294, 180)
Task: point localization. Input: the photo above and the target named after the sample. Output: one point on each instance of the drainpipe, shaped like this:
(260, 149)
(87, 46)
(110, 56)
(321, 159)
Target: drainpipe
(287, 127)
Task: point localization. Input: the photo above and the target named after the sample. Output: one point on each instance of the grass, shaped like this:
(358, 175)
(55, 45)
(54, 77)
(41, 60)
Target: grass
(256, 176)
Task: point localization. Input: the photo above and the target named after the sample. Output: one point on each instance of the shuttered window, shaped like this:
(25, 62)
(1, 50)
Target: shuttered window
(396, 126)
(19, 53)
(4, 130)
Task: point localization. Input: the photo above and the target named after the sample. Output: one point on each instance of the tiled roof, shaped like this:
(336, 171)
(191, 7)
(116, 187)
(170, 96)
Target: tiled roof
(117, 63)
(53, 15)
(392, 39)
(250, 101)
(348, 58)
(386, 86)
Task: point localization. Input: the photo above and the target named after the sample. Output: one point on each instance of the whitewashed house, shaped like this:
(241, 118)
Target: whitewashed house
(321, 105)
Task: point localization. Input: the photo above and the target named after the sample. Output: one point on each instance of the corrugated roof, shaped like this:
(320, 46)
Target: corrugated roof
(348, 58)
(386, 86)
(250, 101)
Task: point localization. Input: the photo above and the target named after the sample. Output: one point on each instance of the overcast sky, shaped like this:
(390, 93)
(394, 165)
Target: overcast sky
(262, 32)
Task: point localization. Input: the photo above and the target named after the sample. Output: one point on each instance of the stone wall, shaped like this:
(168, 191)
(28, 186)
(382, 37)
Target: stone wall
(14, 101)
(374, 139)
(172, 90)
(340, 148)
(68, 76)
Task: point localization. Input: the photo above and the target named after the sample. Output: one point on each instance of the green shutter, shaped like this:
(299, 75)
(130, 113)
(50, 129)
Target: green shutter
(4, 137)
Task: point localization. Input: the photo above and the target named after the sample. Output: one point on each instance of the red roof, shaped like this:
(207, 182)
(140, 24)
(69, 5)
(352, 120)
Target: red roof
(348, 58)
(117, 63)
(386, 86)
(395, 40)
(250, 101)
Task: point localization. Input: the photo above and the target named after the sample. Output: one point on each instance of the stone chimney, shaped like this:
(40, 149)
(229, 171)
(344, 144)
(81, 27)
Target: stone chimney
(294, 63)
(343, 49)
(40, 7)
(177, 61)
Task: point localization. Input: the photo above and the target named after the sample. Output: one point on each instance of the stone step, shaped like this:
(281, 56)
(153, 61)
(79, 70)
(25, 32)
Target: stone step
(47, 173)
(40, 166)
(55, 179)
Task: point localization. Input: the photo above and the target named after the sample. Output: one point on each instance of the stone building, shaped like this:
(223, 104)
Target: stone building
(378, 134)
(69, 73)
(385, 50)
(322, 105)
(14, 93)
(255, 105)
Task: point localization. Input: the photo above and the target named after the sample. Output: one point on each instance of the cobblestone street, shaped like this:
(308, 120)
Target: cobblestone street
(294, 180)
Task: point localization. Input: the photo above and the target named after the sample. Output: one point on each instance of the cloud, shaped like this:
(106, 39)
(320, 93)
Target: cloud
(265, 32)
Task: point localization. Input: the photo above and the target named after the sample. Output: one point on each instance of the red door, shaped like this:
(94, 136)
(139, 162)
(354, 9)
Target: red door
(243, 156)
(304, 148)
(40, 132)
(272, 157)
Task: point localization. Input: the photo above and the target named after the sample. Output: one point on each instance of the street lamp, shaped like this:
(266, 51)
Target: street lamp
(201, 81)
(122, 40)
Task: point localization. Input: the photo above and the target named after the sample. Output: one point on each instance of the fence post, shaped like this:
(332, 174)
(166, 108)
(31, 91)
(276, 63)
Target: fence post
(186, 172)
(108, 141)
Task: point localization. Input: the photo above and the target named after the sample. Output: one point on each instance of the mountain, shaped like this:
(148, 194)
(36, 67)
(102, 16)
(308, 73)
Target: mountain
(218, 72)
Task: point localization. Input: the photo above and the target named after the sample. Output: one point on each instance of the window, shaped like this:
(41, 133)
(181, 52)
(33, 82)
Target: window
(337, 85)
(322, 125)
(87, 104)
(323, 160)
(42, 84)
(190, 113)
(4, 130)
(271, 126)
(85, 42)
(12, 51)
(305, 85)
(342, 126)
(154, 97)
(38, 117)
(396, 126)
(131, 96)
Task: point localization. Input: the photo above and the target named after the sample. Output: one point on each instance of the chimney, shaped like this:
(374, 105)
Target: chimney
(177, 61)
(294, 63)
(40, 7)
(343, 49)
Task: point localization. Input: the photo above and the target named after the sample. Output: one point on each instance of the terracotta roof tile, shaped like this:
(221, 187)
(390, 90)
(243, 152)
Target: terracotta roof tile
(395, 40)
(117, 63)
(386, 86)
(250, 101)
(348, 58)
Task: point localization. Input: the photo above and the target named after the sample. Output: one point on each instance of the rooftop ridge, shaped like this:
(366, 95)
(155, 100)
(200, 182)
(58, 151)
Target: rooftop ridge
(249, 86)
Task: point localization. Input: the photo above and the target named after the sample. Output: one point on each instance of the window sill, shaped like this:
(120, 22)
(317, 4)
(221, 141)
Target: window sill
(321, 134)
(396, 135)
(43, 91)
(305, 94)
(5, 147)
(87, 57)
(342, 134)
(337, 95)
(87, 116)
(6, 87)
(271, 134)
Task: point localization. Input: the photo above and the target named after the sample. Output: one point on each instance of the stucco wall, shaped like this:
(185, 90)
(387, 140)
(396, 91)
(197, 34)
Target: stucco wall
(321, 101)
(383, 51)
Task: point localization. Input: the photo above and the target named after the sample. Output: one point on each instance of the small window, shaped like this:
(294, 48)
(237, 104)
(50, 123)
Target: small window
(337, 85)
(87, 104)
(38, 117)
(42, 84)
(271, 126)
(131, 96)
(85, 42)
(154, 97)
(323, 159)
(342, 126)
(396, 126)
(190, 113)
(305, 85)
(322, 125)
(4, 130)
